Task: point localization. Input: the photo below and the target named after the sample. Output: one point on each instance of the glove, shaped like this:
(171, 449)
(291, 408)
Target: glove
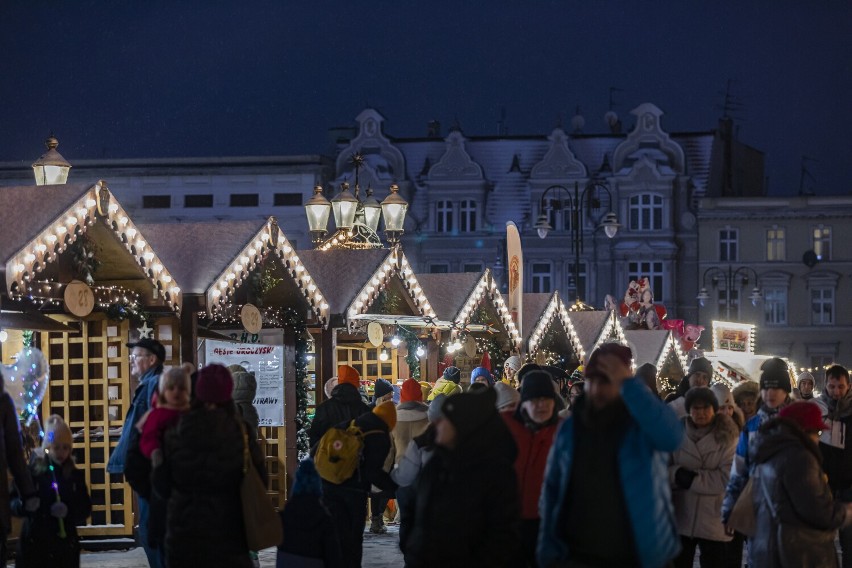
(59, 510)
(684, 477)
(31, 504)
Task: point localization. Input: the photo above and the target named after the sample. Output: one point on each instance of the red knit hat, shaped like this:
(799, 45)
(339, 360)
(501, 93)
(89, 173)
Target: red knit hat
(215, 384)
(348, 375)
(806, 414)
(411, 391)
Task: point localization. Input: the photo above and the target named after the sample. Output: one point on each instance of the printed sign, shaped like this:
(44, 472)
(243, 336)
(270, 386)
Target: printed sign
(251, 319)
(267, 364)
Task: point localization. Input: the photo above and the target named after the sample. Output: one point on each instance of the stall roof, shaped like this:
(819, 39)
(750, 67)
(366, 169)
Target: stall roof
(652, 345)
(540, 312)
(594, 327)
(37, 222)
(449, 292)
(228, 252)
(534, 308)
(31, 321)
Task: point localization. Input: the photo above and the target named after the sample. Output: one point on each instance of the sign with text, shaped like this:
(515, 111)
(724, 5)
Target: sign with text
(267, 364)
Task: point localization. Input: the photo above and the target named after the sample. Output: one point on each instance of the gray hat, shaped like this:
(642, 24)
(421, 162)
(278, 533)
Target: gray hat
(435, 406)
(506, 395)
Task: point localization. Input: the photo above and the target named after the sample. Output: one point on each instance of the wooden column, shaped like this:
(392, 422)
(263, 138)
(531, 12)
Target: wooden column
(327, 356)
(292, 453)
(189, 329)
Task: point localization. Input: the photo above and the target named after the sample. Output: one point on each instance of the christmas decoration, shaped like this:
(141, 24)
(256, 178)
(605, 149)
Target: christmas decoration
(83, 258)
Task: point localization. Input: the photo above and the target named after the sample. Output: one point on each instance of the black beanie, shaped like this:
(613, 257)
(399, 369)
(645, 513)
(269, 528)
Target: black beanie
(452, 374)
(537, 384)
(701, 365)
(470, 411)
(701, 394)
(775, 375)
(382, 388)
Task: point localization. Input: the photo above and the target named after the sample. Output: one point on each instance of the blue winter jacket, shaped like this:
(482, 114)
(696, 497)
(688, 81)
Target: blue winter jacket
(148, 384)
(652, 432)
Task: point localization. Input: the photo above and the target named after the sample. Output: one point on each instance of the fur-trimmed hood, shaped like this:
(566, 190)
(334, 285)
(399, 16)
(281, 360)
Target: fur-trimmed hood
(725, 430)
(411, 411)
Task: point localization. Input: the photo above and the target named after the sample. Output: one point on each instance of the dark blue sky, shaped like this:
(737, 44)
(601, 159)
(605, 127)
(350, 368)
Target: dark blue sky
(204, 78)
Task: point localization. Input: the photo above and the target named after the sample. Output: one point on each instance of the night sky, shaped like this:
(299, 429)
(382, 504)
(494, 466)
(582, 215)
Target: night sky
(204, 78)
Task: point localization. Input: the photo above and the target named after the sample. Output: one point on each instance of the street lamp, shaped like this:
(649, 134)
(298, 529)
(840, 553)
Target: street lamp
(577, 203)
(731, 278)
(51, 168)
(357, 221)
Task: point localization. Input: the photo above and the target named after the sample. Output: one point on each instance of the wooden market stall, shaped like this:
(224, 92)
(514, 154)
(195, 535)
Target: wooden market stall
(550, 337)
(72, 253)
(660, 348)
(372, 286)
(250, 267)
(594, 327)
(475, 320)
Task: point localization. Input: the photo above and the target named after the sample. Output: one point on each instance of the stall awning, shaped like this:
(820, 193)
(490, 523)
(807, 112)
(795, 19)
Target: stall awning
(31, 321)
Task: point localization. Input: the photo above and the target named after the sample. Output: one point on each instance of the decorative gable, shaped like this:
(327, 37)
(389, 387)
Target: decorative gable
(649, 133)
(560, 162)
(456, 163)
(383, 157)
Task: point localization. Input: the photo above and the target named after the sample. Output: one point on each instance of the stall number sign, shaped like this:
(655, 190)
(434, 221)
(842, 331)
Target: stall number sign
(267, 364)
(79, 298)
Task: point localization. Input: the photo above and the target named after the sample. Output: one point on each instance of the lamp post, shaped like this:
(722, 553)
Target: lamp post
(731, 277)
(51, 168)
(357, 221)
(577, 203)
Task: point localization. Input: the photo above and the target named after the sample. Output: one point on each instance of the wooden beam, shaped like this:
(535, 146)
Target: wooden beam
(290, 434)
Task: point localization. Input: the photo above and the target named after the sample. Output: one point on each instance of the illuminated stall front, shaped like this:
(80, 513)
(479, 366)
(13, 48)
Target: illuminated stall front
(594, 328)
(659, 348)
(550, 337)
(73, 254)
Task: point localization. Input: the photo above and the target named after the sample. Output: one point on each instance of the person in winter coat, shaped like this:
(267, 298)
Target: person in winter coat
(245, 389)
(310, 540)
(804, 387)
(795, 512)
(533, 425)
(510, 370)
(459, 523)
(699, 375)
(481, 375)
(418, 452)
(775, 390)
(347, 501)
(12, 459)
(411, 417)
(835, 404)
(448, 384)
(344, 405)
(727, 406)
(383, 391)
(699, 472)
(201, 476)
(747, 396)
(607, 469)
(49, 535)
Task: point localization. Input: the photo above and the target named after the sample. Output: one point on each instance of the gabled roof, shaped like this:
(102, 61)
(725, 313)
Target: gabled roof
(535, 306)
(53, 216)
(595, 327)
(650, 345)
(234, 249)
(449, 292)
(540, 313)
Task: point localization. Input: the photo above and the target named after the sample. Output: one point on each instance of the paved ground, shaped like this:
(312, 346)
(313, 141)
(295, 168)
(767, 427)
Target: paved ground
(380, 551)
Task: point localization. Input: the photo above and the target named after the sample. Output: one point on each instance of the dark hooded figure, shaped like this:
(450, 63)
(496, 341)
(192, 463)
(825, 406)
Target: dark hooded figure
(466, 510)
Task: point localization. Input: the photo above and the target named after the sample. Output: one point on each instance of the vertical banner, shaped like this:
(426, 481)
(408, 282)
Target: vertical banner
(267, 364)
(516, 274)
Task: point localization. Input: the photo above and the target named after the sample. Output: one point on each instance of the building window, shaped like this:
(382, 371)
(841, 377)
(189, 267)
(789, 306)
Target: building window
(822, 242)
(728, 238)
(653, 271)
(472, 267)
(467, 216)
(288, 200)
(156, 201)
(776, 249)
(444, 217)
(646, 212)
(542, 278)
(580, 291)
(558, 213)
(729, 302)
(198, 200)
(439, 268)
(775, 305)
(244, 200)
(822, 306)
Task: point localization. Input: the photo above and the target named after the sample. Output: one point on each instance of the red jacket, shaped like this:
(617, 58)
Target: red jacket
(533, 449)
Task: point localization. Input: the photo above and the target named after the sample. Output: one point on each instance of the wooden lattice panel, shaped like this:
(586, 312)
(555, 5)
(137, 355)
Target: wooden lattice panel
(167, 332)
(274, 448)
(366, 361)
(90, 388)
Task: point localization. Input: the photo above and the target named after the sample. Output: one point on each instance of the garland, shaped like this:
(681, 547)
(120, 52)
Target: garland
(495, 351)
(385, 303)
(413, 343)
(83, 259)
(262, 281)
(28, 338)
(293, 320)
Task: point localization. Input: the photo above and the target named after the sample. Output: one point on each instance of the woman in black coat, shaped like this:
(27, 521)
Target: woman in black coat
(201, 476)
(467, 510)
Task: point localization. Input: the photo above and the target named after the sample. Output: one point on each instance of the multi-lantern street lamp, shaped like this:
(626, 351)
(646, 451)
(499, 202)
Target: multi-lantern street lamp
(357, 220)
(733, 280)
(578, 203)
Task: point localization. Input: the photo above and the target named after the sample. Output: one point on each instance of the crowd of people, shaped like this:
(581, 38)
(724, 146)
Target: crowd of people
(501, 472)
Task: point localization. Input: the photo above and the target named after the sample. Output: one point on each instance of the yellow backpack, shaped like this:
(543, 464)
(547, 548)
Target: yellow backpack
(338, 453)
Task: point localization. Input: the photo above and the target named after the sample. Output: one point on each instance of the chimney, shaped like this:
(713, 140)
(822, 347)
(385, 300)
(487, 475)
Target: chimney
(433, 129)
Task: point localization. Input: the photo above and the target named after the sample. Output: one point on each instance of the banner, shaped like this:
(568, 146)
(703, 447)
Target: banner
(267, 364)
(516, 274)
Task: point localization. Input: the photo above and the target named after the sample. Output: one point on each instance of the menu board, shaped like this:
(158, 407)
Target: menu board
(267, 364)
